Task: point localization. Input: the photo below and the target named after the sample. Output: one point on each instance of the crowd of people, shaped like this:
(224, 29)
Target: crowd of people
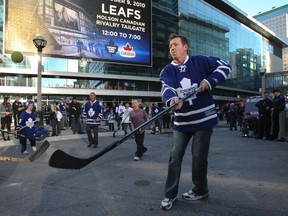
(86, 117)
(269, 123)
(79, 117)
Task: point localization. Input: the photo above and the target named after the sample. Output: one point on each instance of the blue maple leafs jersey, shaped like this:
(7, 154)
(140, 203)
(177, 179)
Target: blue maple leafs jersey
(91, 112)
(178, 80)
(26, 124)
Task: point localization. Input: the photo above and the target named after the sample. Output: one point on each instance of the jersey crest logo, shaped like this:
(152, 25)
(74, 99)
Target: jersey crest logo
(187, 88)
(91, 112)
(182, 68)
(29, 123)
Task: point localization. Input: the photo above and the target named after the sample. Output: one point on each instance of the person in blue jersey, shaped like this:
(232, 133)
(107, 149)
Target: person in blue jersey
(26, 128)
(63, 109)
(156, 109)
(92, 116)
(195, 117)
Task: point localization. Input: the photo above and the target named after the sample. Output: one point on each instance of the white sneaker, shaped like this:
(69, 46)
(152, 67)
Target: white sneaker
(25, 152)
(34, 148)
(136, 158)
(191, 196)
(167, 203)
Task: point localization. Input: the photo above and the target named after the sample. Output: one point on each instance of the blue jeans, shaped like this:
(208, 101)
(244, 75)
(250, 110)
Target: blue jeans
(76, 125)
(199, 149)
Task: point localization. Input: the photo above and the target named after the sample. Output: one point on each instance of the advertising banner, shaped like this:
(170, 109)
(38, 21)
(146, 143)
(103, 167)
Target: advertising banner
(250, 105)
(117, 31)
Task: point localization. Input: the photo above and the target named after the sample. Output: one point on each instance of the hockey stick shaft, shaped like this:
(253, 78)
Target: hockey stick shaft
(12, 133)
(16, 132)
(60, 159)
(36, 155)
(120, 125)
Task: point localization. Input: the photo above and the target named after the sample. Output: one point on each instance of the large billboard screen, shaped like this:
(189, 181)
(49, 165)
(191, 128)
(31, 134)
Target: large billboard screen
(117, 31)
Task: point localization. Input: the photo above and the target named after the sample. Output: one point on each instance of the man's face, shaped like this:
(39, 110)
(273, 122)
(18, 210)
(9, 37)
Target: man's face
(135, 104)
(92, 97)
(266, 95)
(177, 49)
(30, 107)
(17, 98)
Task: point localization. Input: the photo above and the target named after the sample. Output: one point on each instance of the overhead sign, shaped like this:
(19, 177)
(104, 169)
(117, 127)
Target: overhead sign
(116, 31)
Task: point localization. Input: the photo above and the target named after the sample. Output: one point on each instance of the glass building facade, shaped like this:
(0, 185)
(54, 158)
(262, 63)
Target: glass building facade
(210, 28)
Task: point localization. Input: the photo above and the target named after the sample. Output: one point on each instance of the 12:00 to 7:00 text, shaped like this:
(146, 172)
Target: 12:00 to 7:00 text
(121, 34)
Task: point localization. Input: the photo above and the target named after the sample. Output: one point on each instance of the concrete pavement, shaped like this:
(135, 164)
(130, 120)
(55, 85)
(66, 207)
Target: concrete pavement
(246, 177)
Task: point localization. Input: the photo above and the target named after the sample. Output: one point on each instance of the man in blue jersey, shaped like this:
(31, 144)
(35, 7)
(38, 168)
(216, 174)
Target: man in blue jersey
(92, 116)
(195, 117)
(63, 109)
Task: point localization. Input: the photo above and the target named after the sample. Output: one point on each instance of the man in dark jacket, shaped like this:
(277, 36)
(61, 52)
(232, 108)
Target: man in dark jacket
(75, 113)
(17, 109)
(278, 105)
(264, 109)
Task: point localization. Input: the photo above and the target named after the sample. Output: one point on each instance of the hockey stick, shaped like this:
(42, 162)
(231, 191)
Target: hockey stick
(114, 133)
(15, 133)
(60, 159)
(36, 155)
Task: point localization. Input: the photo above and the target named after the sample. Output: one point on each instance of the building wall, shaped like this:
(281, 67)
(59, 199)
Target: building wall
(277, 20)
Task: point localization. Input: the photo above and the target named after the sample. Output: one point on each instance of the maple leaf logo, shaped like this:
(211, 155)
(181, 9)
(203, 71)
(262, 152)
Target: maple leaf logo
(127, 51)
(128, 47)
(29, 123)
(186, 89)
(91, 112)
(110, 48)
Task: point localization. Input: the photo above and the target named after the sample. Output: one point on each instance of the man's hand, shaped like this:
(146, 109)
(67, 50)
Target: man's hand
(37, 120)
(204, 86)
(176, 101)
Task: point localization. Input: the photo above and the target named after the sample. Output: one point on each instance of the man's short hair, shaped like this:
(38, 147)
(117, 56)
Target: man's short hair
(183, 39)
(276, 90)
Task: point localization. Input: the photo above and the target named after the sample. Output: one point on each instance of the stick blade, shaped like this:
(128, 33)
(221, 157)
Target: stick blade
(40, 151)
(60, 159)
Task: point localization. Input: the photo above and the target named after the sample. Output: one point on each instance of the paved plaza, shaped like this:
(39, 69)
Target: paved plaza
(247, 177)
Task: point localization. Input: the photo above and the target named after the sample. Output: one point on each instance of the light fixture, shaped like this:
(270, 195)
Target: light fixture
(39, 42)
